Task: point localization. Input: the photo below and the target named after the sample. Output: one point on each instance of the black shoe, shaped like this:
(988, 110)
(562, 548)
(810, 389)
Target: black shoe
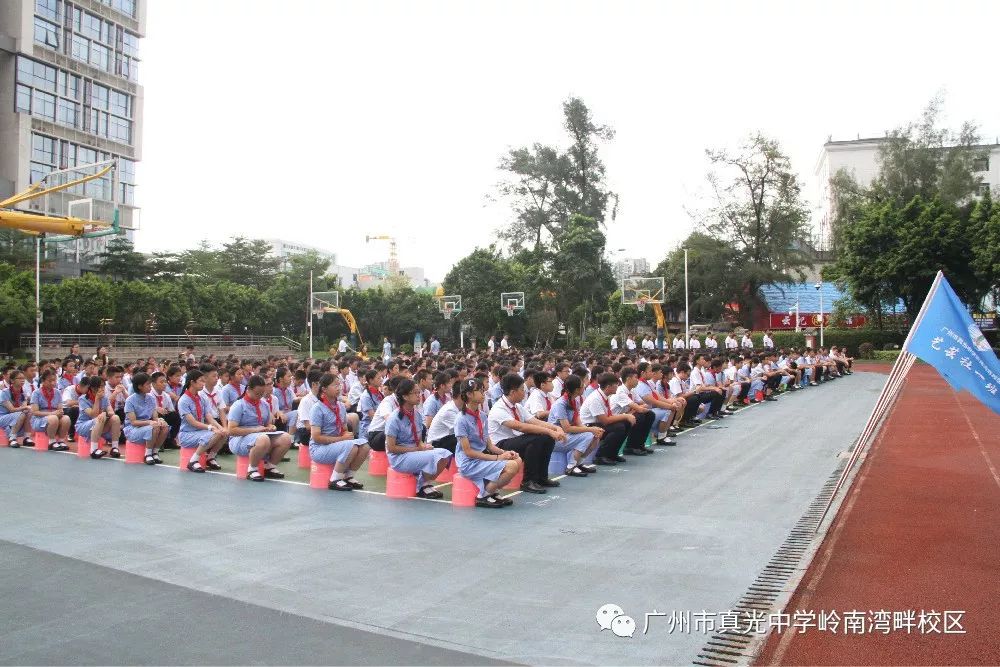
(430, 493)
(621, 459)
(551, 483)
(587, 468)
(602, 461)
(14, 445)
(156, 459)
(489, 501)
(575, 471)
(274, 473)
(506, 501)
(532, 487)
(191, 466)
(636, 452)
(96, 454)
(340, 485)
(770, 398)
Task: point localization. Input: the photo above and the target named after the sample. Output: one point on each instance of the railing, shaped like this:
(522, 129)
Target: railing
(89, 342)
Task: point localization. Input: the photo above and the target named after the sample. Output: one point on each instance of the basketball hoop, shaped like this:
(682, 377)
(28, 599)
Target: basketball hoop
(510, 310)
(447, 311)
(641, 305)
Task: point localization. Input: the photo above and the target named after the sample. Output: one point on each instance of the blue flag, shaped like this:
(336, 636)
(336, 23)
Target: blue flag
(947, 339)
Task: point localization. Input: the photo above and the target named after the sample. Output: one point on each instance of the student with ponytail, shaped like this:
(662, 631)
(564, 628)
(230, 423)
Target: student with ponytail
(442, 381)
(370, 400)
(14, 409)
(47, 414)
(406, 452)
(141, 423)
(284, 399)
(479, 460)
(234, 387)
(331, 441)
(581, 441)
(199, 429)
(249, 426)
(97, 419)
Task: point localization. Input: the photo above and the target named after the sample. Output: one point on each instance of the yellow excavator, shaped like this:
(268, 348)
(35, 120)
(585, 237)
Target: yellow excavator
(661, 324)
(352, 326)
(37, 224)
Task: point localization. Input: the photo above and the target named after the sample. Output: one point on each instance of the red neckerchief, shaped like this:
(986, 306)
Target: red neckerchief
(575, 419)
(237, 386)
(197, 403)
(68, 376)
(343, 386)
(513, 410)
(49, 395)
(284, 399)
(548, 401)
(594, 385)
(256, 406)
(16, 395)
(175, 388)
(604, 398)
(336, 414)
(376, 394)
(652, 387)
(91, 396)
(159, 400)
(270, 401)
(211, 397)
(479, 423)
(413, 425)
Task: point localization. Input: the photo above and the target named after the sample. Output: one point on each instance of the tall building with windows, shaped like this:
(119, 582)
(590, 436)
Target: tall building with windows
(69, 96)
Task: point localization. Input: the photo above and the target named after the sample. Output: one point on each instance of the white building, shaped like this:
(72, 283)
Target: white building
(284, 250)
(631, 266)
(860, 158)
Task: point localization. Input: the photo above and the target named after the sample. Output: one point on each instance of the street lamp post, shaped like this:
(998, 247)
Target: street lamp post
(310, 323)
(819, 288)
(687, 323)
(797, 327)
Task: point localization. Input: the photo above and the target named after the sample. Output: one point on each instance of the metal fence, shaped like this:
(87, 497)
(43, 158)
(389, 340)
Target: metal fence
(92, 341)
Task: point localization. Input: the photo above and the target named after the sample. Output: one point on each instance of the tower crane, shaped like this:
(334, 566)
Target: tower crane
(393, 256)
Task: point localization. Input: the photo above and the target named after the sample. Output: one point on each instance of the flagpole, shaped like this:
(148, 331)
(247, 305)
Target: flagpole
(897, 373)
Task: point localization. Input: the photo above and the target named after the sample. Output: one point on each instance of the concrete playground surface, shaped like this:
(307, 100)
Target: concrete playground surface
(113, 564)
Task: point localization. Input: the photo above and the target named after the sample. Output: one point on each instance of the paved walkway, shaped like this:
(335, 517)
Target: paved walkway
(687, 529)
(919, 530)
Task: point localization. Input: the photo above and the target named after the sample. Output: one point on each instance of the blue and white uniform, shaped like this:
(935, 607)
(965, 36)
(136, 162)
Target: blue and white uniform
(433, 404)
(85, 423)
(475, 470)
(53, 402)
(284, 399)
(191, 436)
(406, 430)
(245, 414)
(231, 394)
(144, 408)
(560, 410)
(369, 401)
(8, 418)
(331, 420)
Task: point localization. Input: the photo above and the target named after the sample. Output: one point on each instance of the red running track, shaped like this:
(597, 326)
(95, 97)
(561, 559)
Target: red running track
(920, 529)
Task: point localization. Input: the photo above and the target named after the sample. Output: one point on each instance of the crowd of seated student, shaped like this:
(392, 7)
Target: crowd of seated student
(496, 413)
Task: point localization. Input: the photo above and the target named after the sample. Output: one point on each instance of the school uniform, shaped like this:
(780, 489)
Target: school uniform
(477, 471)
(44, 402)
(538, 401)
(305, 407)
(331, 418)
(495, 393)
(747, 342)
(535, 449)
(593, 386)
(678, 387)
(433, 404)
(65, 380)
(191, 436)
(567, 408)
(144, 408)
(9, 417)
(283, 400)
(405, 428)
(386, 351)
(435, 347)
(213, 401)
(232, 393)
(368, 402)
(768, 343)
(354, 395)
(85, 423)
(246, 414)
(678, 343)
(637, 433)
(594, 406)
(731, 343)
(165, 401)
(646, 388)
(376, 430)
(442, 431)
(70, 393)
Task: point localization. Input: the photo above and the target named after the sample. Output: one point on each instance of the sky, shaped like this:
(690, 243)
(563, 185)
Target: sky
(323, 121)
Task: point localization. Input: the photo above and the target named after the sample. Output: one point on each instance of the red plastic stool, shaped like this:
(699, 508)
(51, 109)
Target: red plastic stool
(4, 440)
(320, 474)
(243, 466)
(304, 459)
(759, 396)
(378, 463)
(400, 484)
(186, 454)
(135, 452)
(449, 473)
(82, 447)
(463, 492)
(41, 440)
(515, 483)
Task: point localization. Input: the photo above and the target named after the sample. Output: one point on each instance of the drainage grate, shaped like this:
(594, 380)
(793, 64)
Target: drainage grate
(774, 584)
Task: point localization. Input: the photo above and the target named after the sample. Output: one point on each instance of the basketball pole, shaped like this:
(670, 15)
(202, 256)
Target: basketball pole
(38, 297)
(687, 328)
(310, 323)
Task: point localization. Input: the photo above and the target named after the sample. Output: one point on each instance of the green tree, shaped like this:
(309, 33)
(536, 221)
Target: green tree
(714, 277)
(78, 304)
(120, 261)
(17, 302)
(758, 209)
(581, 277)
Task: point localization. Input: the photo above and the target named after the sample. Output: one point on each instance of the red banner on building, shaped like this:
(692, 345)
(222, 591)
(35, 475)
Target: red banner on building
(807, 320)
